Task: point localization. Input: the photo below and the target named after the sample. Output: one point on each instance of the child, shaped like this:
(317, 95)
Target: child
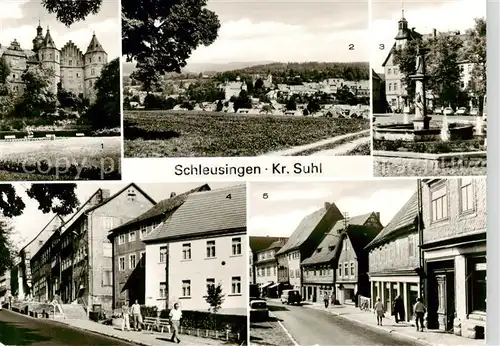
(379, 310)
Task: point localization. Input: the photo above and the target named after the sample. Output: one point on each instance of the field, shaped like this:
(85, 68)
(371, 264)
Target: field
(207, 134)
(85, 158)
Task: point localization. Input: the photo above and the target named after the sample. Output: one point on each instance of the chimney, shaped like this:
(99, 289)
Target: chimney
(434, 33)
(173, 194)
(377, 214)
(327, 205)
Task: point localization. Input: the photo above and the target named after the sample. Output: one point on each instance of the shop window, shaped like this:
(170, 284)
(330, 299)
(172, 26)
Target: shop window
(477, 284)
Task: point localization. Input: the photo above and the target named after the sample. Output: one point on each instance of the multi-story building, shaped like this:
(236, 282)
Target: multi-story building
(302, 243)
(76, 261)
(5, 287)
(378, 94)
(394, 258)
(454, 251)
(203, 243)
(76, 71)
(129, 261)
(256, 245)
(339, 265)
(24, 267)
(266, 268)
(395, 90)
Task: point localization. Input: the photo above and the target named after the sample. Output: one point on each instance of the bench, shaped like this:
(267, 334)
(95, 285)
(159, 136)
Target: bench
(80, 134)
(10, 137)
(160, 324)
(51, 136)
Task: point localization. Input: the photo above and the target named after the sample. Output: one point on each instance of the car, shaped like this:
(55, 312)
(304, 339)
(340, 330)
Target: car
(438, 110)
(291, 297)
(448, 111)
(462, 111)
(259, 310)
(474, 111)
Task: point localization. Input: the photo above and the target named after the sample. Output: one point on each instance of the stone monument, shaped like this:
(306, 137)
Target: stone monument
(421, 120)
(445, 130)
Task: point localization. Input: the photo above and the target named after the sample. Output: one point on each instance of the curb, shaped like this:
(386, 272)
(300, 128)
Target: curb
(378, 328)
(294, 342)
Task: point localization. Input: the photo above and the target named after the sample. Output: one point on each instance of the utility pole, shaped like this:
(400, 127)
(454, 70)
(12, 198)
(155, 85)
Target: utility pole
(420, 237)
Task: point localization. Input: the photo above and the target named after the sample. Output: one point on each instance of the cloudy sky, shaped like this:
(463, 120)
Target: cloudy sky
(423, 15)
(31, 222)
(289, 203)
(279, 30)
(19, 19)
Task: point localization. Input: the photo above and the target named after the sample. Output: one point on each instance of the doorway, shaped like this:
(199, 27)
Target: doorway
(441, 295)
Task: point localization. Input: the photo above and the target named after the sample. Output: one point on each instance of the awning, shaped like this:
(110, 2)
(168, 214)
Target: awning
(275, 285)
(266, 285)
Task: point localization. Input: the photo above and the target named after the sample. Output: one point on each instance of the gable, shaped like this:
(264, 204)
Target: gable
(388, 59)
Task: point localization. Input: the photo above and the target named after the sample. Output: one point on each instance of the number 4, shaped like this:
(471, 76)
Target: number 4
(228, 196)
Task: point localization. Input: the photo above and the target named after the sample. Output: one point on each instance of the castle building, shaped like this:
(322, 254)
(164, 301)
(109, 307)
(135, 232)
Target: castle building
(76, 71)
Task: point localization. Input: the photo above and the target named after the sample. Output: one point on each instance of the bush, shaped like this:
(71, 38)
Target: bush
(437, 147)
(149, 311)
(116, 131)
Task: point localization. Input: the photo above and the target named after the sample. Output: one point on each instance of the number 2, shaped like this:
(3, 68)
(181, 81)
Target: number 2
(351, 46)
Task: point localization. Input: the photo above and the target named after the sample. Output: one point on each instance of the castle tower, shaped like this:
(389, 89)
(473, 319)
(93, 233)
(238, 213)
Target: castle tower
(94, 61)
(50, 59)
(403, 31)
(39, 39)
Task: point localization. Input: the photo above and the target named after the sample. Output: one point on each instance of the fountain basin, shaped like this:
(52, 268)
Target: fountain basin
(407, 132)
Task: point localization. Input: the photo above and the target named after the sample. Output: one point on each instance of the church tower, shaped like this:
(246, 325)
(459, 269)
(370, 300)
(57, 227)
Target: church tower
(39, 39)
(95, 58)
(403, 32)
(50, 59)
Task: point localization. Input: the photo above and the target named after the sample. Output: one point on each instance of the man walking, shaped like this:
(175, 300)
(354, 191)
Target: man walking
(420, 310)
(136, 314)
(175, 320)
(398, 309)
(125, 317)
(326, 299)
(379, 310)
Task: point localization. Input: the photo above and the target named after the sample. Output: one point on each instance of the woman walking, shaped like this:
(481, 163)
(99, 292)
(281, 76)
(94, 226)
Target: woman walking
(125, 317)
(379, 310)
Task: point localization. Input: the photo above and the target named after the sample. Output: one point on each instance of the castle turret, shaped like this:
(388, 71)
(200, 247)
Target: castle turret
(94, 61)
(50, 59)
(39, 39)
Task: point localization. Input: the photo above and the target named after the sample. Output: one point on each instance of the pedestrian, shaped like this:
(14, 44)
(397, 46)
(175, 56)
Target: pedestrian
(175, 320)
(136, 314)
(356, 299)
(398, 309)
(326, 299)
(332, 298)
(125, 317)
(420, 310)
(379, 310)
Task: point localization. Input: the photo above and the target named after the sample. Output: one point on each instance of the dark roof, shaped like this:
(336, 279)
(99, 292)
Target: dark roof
(305, 228)
(204, 213)
(330, 245)
(61, 220)
(118, 193)
(258, 244)
(94, 45)
(278, 244)
(162, 207)
(404, 218)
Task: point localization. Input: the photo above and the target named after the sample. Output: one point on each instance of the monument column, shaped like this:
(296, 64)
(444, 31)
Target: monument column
(421, 120)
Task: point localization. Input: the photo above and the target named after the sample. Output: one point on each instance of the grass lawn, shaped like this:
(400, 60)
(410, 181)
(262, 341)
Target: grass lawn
(84, 158)
(399, 167)
(210, 134)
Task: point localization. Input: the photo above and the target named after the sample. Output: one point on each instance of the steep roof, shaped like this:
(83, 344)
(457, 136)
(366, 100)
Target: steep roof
(162, 207)
(258, 244)
(330, 245)
(118, 193)
(404, 218)
(94, 46)
(305, 228)
(59, 221)
(205, 213)
(48, 42)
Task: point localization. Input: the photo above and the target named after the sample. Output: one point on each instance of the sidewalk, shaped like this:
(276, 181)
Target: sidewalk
(406, 330)
(145, 338)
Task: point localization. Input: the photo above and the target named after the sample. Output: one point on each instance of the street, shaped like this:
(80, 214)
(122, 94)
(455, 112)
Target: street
(315, 327)
(17, 329)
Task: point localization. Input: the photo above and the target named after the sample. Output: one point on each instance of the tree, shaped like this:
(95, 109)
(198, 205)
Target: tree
(72, 11)
(313, 106)
(242, 101)
(266, 109)
(476, 52)
(38, 97)
(220, 106)
(444, 69)
(161, 35)
(215, 297)
(56, 198)
(4, 70)
(259, 84)
(105, 112)
(291, 104)
(405, 59)
(152, 101)
(66, 99)
(6, 99)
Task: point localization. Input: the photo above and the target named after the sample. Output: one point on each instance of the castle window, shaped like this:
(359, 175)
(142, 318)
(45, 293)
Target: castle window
(92, 72)
(71, 63)
(77, 74)
(90, 83)
(99, 59)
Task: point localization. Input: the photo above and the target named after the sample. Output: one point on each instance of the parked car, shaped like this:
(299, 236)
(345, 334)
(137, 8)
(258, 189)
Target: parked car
(438, 110)
(258, 310)
(474, 111)
(462, 111)
(448, 111)
(291, 297)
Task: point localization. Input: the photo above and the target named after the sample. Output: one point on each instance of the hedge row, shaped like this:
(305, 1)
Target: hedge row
(429, 147)
(61, 133)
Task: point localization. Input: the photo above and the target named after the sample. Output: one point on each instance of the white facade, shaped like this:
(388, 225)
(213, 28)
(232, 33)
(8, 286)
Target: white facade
(295, 274)
(193, 264)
